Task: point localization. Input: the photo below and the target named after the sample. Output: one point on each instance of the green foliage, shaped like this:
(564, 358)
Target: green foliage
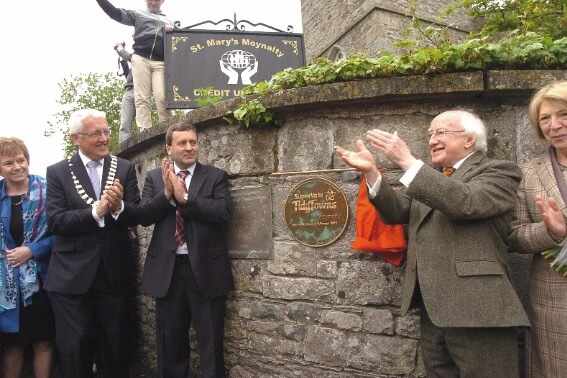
(518, 34)
(545, 17)
(96, 91)
(252, 112)
(206, 96)
(514, 51)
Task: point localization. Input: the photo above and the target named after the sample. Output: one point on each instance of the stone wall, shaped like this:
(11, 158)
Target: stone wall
(331, 311)
(370, 25)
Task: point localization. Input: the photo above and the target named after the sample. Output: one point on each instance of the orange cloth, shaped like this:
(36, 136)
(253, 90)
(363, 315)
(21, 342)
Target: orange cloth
(372, 235)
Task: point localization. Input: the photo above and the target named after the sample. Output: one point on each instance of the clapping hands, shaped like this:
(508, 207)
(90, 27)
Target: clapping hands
(111, 199)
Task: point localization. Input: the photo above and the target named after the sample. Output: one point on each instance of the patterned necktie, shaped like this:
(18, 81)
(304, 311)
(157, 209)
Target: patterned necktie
(93, 175)
(179, 222)
(448, 171)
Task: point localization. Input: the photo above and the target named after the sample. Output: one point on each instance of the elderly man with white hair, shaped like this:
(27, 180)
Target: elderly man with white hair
(92, 198)
(459, 216)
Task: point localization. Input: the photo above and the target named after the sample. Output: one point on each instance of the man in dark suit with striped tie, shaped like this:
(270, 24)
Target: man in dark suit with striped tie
(187, 268)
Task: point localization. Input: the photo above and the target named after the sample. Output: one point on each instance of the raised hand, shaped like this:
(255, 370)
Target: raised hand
(363, 160)
(179, 189)
(102, 207)
(166, 169)
(392, 147)
(230, 72)
(248, 72)
(113, 195)
(552, 217)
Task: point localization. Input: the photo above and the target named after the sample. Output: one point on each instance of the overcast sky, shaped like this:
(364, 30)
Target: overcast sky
(48, 41)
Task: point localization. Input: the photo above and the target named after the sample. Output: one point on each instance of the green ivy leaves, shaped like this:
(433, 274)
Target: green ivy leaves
(517, 34)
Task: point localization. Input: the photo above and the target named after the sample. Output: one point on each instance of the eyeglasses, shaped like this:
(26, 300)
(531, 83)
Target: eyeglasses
(97, 134)
(442, 133)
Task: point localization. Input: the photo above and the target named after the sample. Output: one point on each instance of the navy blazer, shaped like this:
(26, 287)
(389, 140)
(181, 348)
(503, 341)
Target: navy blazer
(80, 243)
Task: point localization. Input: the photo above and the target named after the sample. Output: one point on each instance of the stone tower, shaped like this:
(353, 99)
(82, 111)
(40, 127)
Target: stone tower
(332, 27)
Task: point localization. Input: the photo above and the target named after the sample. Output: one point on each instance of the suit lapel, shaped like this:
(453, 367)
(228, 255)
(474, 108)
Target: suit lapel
(467, 165)
(199, 177)
(544, 170)
(459, 174)
(81, 174)
(158, 182)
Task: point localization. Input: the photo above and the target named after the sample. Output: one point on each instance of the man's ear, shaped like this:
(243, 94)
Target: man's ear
(168, 149)
(470, 141)
(75, 138)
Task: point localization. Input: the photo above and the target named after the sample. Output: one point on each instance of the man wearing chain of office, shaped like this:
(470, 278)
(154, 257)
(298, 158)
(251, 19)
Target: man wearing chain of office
(91, 200)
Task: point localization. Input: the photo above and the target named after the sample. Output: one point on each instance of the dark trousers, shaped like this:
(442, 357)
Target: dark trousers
(183, 304)
(96, 321)
(468, 352)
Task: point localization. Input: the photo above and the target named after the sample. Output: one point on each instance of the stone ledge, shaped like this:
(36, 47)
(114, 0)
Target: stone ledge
(508, 80)
(461, 84)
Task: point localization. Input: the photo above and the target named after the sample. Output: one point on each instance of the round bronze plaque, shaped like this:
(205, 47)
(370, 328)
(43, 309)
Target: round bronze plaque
(316, 212)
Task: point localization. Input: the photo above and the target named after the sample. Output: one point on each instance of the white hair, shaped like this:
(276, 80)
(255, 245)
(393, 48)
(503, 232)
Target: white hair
(471, 123)
(78, 116)
(474, 125)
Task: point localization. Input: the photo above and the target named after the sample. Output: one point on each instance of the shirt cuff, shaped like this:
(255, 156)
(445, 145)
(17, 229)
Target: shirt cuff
(408, 177)
(97, 219)
(115, 215)
(373, 190)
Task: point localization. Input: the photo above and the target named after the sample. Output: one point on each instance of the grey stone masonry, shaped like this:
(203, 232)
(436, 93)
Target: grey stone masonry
(371, 25)
(330, 311)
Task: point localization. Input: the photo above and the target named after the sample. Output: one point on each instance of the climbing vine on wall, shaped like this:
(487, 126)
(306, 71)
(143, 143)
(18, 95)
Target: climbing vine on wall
(533, 40)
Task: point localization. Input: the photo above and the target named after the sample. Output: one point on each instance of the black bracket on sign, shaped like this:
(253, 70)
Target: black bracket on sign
(234, 25)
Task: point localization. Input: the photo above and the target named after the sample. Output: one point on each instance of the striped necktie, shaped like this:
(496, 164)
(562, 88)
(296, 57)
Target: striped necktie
(93, 175)
(179, 222)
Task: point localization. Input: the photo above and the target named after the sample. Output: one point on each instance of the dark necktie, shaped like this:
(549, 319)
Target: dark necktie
(448, 171)
(179, 222)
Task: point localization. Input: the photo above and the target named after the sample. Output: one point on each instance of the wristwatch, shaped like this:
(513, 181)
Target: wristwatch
(185, 197)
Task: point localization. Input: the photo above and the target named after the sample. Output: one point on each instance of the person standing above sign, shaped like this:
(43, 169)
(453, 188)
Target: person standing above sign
(128, 106)
(187, 267)
(458, 221)
(148, 67)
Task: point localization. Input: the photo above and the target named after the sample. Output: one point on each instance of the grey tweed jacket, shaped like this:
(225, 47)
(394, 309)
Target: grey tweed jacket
(457, 243)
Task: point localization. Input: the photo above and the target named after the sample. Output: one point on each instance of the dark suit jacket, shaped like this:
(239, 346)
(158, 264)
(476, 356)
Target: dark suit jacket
(207, 213)
(457, 244)
(81, 243)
